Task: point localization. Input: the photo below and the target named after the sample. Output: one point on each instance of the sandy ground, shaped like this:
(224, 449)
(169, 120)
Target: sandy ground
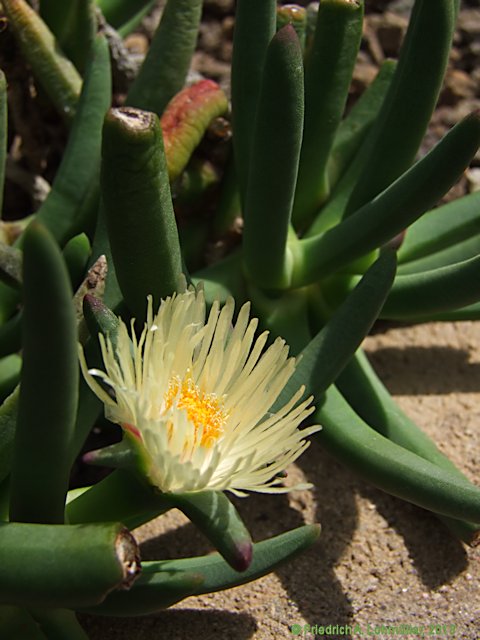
(379, 561)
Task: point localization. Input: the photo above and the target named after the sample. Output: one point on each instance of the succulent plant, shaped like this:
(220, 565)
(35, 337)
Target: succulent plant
(204, 406)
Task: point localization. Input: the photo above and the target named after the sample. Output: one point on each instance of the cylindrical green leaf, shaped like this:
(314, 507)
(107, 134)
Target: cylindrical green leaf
(354, 127)
(223, 279)
(186, 119)
(216, 517)
(3, 133)
(121, 496)
(58, 624)
(17, 622)
(284, 314)
(274, 163)
(448, 256)
(443, 289)
(49, 388)
(389, 466)
(101, 250)
(10, 368)
(138, 206)
(327, 80)
(132, 21)
(76, 254)
(11, 335)
(451, 223)
(65, 566)
(470, 312)
(169, 588)
(80, 163)
(150, 592)
(255, 24)
(324, 357)
(408, 107)
(295, 15)
(100, 319)
(391, 145)
(53, 70)
(118, 12)
(368, 396)
(74, 24)
(388, 214)
(165, 67)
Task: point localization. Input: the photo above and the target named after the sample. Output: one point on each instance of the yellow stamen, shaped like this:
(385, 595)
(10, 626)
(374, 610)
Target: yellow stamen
(204, 410)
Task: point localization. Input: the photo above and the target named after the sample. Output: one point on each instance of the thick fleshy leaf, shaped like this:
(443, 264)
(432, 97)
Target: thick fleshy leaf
(186, 119)
(448, 256)
(46, 415)
(366, 393)
(470, 312)
(328, 77)
(217, 574)
(274, 161)
(76, 254)
(10, 368)
(128, 454)
(255, 24)
(11, 335)
(394, 209)
(121, 496)
(132, 22)
(81, 159)
(58, 623)
(431, 292)
(53, 70)
(83, 563)
(173, 43)
(117, 456)
(438, 229)
(324, 357)
(17, 622)
(74, 24)
(408, 107)
(389, 466)
(354, 127)
(140, 218)
(214, 514)
(159, 591)
(392, 143)
(100, 319)
(295, 15)
(118, 12)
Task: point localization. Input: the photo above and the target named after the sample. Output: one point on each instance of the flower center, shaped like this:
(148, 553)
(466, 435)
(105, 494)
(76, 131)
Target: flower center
(204, 410)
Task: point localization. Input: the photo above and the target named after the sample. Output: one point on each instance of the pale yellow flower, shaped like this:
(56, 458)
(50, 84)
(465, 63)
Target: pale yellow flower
(197, 394)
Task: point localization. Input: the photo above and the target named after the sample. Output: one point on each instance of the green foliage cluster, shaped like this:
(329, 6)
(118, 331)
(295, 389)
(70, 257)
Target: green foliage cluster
(322, 196)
